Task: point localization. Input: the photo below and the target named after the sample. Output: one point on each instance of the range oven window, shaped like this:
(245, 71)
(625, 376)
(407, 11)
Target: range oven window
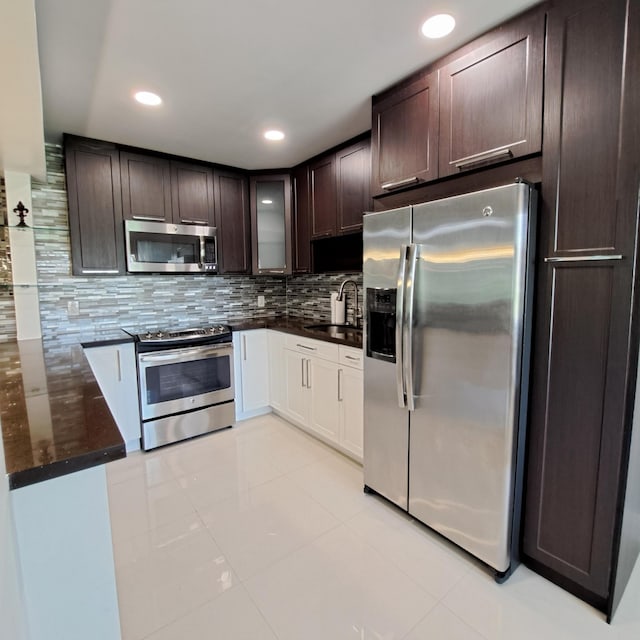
(179, 380)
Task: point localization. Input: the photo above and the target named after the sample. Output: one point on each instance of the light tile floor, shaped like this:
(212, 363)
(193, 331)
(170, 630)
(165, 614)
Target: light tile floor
(261, 532)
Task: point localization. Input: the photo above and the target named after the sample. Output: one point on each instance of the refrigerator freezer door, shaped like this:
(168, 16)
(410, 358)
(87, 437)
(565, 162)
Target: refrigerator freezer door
(386, 424)
(466, 359)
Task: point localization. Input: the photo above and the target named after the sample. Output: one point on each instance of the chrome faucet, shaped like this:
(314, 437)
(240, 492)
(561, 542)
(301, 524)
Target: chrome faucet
(357, 313)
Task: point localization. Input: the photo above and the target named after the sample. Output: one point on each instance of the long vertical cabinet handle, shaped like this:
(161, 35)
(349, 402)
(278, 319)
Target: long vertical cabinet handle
(340, 385)
(402, 276)
(407, 338)
(119, 365)
(244, 347)
(302, 383)
(308, 374)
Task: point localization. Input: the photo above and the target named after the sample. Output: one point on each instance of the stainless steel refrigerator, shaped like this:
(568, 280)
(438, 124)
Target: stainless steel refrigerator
(448, 288)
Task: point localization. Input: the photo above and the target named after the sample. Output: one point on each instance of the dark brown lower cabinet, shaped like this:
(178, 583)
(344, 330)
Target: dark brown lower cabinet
(585, 342)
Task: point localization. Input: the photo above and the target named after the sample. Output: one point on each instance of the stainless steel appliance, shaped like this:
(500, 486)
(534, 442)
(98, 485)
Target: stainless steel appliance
(186, 383)
(448, 288)
(157, 247)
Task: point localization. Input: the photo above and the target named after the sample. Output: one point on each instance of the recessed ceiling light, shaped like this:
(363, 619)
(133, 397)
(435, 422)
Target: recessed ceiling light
(147, 98)
(438, 26)
(267, 201)
(274, 134)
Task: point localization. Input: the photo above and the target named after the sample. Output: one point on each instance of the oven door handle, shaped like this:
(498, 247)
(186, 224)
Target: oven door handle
(181, 354)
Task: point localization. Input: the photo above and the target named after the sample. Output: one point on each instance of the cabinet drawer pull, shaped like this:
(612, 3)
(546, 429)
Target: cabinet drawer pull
(157, 218)
(352, 358)
(192, 221)
(388, 186)
(597, 258)
(303, 346)
(485, 156)
(99, 271)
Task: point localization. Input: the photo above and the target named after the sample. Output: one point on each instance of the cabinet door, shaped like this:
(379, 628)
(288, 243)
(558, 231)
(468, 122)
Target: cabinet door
(192, 193)
(146, 187)
(491, 98)
(353, 180)
(277, 370)
(232, 213)
(270, 197)
(325, 407)
(301, 221)
(583, 322)
(95, 207)
(322, 177)
(404, 136)
(296, 374)
(114, 367)
(351, 410)
(255, 369)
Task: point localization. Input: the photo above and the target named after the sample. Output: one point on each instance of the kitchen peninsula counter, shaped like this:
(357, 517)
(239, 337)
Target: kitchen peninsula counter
(53, 416)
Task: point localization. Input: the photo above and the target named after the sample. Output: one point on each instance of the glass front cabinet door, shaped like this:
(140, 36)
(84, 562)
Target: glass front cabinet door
(271, 224)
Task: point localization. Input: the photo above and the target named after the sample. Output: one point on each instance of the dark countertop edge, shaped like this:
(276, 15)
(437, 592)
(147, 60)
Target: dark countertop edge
(294, 326)
(106, 342)
(19, 479)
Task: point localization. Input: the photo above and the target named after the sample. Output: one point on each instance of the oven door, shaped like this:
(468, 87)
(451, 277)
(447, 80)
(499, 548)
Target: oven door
(177, 380)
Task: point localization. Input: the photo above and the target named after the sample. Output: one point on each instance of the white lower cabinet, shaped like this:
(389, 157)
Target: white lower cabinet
(251, 373)
(114, 367)
(324, 391)
(277, 370)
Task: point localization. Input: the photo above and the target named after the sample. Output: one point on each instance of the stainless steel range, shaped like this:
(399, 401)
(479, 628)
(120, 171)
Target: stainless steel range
(186, 383)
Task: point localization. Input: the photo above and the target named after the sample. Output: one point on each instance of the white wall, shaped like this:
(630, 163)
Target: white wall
(12, 612)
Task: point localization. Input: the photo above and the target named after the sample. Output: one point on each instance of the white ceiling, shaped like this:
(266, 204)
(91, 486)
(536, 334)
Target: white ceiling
(227, 70)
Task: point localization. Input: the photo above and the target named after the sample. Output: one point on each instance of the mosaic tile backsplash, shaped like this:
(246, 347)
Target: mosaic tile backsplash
(145, 302)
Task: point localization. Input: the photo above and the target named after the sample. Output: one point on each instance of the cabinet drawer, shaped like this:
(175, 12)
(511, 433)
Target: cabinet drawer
(311, 347)
(351, 357)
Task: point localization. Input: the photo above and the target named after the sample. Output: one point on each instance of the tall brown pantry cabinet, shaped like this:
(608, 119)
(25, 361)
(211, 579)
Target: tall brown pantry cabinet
(584, 348)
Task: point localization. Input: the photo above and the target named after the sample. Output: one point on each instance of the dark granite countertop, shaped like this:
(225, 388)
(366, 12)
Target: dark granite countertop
(53, 417)
(105, 337)
(296, 326)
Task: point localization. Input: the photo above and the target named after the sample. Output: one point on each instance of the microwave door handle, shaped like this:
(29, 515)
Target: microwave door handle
(202, 252)
(401, 283)
(407, 338)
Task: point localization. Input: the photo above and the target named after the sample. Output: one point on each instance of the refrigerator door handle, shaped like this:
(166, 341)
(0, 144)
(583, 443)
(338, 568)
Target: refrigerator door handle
(402, 277)
(407, 338)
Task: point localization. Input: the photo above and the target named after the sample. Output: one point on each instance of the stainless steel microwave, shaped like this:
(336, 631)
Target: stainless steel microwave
(158, 247)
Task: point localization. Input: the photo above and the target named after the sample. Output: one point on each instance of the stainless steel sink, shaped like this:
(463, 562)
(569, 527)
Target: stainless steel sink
(334, 329)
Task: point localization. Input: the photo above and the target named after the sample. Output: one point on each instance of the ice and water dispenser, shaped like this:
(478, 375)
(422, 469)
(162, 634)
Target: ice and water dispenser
(381, 324)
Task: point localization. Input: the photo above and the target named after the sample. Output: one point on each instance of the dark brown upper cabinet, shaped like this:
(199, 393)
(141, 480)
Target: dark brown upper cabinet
(404, 136)
(353, 181)
(270, 198)
(95, 207)
(322, 189)
(491, 98)
(584, 346)
(192, 193)
(146, 187)
(233, 222)
(301, 221)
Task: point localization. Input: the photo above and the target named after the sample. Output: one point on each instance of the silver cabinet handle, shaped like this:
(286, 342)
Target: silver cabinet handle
(352, 358)
(244, 347)
(407, 339)
(481, 158)
(401, 283)
(308, 374)
(597, 258)
(340, 385)
(192, 221)
(157, 218)
(302, 383)
(118, 365)
(304, 346)
(99, 271)
(388, 186)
